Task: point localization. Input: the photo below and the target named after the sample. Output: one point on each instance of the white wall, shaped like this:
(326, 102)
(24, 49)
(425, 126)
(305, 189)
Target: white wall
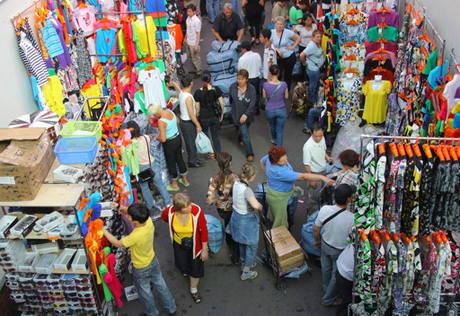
(444, 15)
(16, 97)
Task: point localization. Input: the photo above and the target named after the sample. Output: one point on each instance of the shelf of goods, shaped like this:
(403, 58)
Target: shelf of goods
(65, 293)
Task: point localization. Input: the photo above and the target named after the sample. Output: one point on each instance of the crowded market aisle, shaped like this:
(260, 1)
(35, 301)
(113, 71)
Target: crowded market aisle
(222, 290)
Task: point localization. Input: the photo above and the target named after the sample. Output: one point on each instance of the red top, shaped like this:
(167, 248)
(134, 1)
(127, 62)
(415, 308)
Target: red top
(200, 230)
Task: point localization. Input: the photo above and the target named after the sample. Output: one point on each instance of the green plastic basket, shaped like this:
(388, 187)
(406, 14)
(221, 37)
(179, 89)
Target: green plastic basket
(82, 129)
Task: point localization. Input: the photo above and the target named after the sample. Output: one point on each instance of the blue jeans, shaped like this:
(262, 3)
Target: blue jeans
(212, 124)
(314, 114)
(313, 86)
(235, 6)
(213, 9)
(158, 181)
(329, 258)
(292, 204)
(245, 138)
(276, 119)
(248, 254)
(143, 280)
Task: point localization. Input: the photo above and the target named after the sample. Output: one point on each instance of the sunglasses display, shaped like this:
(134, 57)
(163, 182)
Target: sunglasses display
(85, 294)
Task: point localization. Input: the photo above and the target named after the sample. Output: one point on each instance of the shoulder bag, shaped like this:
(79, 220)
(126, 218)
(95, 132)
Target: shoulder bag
(265, 100)
(333, 215)
(216, 106)
(148, 173)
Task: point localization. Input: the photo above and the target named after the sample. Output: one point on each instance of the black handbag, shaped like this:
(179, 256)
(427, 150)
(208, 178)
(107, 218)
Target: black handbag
(216, 107)
(186, 242)
(147, 174)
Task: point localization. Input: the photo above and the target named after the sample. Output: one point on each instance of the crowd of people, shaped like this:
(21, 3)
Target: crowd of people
(263, 83)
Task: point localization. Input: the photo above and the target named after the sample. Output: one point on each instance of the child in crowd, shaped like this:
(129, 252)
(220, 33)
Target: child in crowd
(146, 268)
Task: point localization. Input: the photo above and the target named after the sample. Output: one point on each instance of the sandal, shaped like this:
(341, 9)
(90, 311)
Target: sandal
(182, 182)
(211, 156)
(196, 297)
(168, 187)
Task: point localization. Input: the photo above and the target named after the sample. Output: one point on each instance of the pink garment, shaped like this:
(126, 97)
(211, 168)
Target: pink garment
(123, 8)
(112, 281)
(389, 55)
(391, 19)
(126, 136)
(130, 47)
(112, 24)
(372, 47)
(85, 20)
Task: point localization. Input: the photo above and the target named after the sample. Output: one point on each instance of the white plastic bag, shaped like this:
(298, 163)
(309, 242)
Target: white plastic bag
(349, 137)
(203, 144)
(183, 58)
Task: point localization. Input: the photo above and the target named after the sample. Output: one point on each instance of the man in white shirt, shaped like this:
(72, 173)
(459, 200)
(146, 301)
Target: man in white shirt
(192, 39)
(315, 159)
(253, 64)
(189, 122)
(336, 223)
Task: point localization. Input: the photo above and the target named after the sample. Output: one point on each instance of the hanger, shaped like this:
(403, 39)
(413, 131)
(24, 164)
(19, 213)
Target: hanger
(457, 69)
(379, 69)
(352, 21)
(445, 153)
(433, 47)
(425, 36)
(453, 154)
(82, 5)
(381, 147)
(382, 25)
(443, 236)
(381, 51)
(352, 11)
(438, 152)
(437, 238)
(350, 44)
(105, 27)
(363, 235)
(150, 67)
(405, 238)
(394, 150)
(385, 235)
(408, 150)
(395, 237)
(375, 236)
(350, 57)
(416, 148)
(383, 10)
(380, 58)
(381, 40)
(349, 69)
(400, 147)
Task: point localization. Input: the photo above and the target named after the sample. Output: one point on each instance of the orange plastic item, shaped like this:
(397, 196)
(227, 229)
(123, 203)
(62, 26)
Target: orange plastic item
(445, 153)
(404, 237)
(384, 10)
(394, 150)
(426, 149)
(401, 149)
(408, 149)
(453, 154)
(363, 235)
(375, 236)
(385, 235)
(427, 238)
(350, 44)
(417, 150)
(381, 148)
(395, 237)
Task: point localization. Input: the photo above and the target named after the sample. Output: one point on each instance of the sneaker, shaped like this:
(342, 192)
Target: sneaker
(248, 275)
(250, 159)
(273, 141)
(155, 217)
(242, 266)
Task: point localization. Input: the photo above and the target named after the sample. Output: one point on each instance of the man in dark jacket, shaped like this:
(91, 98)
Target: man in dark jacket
(243, 99)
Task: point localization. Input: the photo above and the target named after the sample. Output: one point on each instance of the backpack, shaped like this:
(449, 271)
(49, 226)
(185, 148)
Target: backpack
(299, 103)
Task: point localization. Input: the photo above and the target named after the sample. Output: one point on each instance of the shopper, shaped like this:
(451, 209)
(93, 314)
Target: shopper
(281, 195)
(172, 145)
(282, 39)
(220, 193)
(315, 159)
(344, 279)
(275, 92)
(305, 30)
(280, 9)
(312, 58)
(243, 101)
(206, 98)
(189, 122)
(253, 64)
(297, 11)
(146, 268)
(244, 223)
(269, 54)
(350, 173)
(253, 13)
(227, 25)
(213, 9)
(146, 161)
(192, 38)
(315, 112)
(335, 222)
(189, 235)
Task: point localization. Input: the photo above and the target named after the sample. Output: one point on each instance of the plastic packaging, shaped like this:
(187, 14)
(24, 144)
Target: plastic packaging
(203, 144)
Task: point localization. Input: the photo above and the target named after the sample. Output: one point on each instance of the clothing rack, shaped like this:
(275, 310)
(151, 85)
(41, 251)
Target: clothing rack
(23, 11)
(452, 58)
(363, 137)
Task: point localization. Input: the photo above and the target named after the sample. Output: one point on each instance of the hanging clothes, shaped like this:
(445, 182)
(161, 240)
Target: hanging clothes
(375, 108)
(82, 59)
(376, 18)
(106, 39)
(389, 33)
(33, 59)
(152, 80)
(348, 101)
(53, 95)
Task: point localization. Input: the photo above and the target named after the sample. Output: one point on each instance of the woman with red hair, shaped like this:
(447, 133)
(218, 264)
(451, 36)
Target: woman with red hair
(281, 193)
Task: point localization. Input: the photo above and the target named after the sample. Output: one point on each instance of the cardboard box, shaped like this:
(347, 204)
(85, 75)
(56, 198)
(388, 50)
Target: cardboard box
(26, 156)
(288, 252)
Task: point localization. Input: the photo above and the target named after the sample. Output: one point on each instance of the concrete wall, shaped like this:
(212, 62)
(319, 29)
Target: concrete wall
(444, 15)
(16, 97)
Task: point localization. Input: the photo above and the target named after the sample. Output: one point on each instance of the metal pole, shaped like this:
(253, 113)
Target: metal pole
(15, 16)
(407, 138)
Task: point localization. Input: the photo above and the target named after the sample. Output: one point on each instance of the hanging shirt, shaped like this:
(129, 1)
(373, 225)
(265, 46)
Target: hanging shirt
(373, 46)
(348, 101)
(53, 95)
(391, 19)
(51, 39)
(85, 20)
(139, 102)
(155, 8)
(153, 88)
(375, 108)
(106, 39)
(139, 39)
(33, 61)
(175, 30)
(389, 33)
(151, 31)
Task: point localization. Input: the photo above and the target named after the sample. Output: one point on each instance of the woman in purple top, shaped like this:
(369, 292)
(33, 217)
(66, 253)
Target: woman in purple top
(275, 91)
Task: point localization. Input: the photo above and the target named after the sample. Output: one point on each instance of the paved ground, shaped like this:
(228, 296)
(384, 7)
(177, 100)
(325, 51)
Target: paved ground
(222, 290)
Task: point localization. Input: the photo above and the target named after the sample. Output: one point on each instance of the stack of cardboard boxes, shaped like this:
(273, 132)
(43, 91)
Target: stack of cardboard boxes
(287, 251)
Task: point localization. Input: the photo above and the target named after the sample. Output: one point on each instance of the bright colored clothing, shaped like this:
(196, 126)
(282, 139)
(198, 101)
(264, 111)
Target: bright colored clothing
(389, 33)
(93, 90)
(375, 108)
(152, 80)
(151, 29)
(106, 39)
(141, 243)
(53, 95)
(175, 31)
(51, 39)
(182, 231)
(171, 127)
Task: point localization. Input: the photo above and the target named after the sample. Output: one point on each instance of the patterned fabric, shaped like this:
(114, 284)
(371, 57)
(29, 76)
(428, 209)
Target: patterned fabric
(391, 216)
(415, 188)
(82, 60)
(442, 181)
(224, 196)
(380, 179)
(406, 210)
(442, 269)
(365, 194)
(428, 259)
(363, 273)
(393, 121)
(448, 284)
(413, 265)
(378, 265)
(348, 101)
(425, 198)
(398, 285)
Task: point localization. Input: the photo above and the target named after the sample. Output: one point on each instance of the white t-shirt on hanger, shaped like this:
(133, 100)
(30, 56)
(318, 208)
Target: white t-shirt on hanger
(153, 88)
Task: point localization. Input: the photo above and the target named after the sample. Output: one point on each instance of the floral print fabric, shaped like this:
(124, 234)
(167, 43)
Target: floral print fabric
(348, 101)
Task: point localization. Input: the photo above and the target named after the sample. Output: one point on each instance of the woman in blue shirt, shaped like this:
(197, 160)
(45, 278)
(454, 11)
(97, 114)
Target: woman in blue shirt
(285, 42)
(281, 193)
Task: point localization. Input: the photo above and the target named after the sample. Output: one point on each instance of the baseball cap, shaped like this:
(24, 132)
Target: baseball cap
(246, 45)
(343, 192)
